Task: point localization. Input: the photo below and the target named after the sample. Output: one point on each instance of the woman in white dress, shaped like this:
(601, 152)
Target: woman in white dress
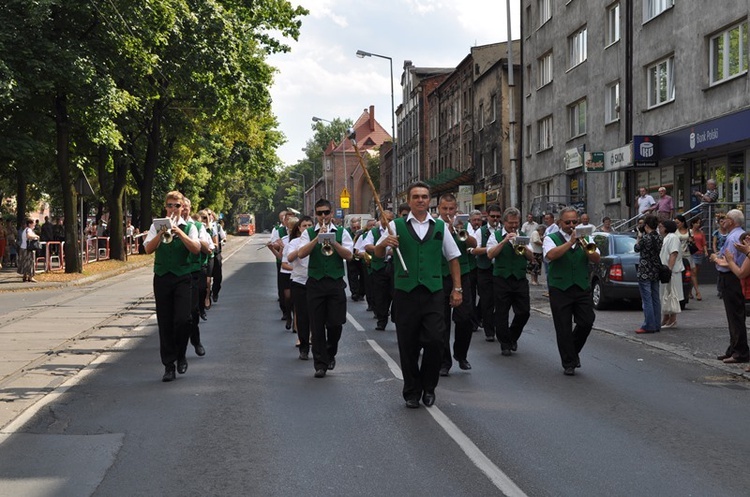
(671, 293)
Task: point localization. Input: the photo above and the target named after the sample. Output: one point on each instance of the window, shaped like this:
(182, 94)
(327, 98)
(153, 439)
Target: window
(545, 69)
(653, 8)
(545, 10)
(612, 103)
(481, 116)
(494, 161)
(614, 186)
(728, 55)
(577, 113)
(481, 165)
(661, 87)
(577, 47)
(493, 108)
(528, 20)
(544, 132)
(613, 23)
(527, 141)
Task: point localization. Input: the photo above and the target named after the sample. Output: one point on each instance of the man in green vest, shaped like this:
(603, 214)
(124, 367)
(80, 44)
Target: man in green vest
(418, 297)
(510, 286)
(381, 277)
(326, 300)
(569, 289)
(484, 271)
(198, 276)
(172, 285)
(475, 224)
(355, 268)
(462, 315)
(278, 232)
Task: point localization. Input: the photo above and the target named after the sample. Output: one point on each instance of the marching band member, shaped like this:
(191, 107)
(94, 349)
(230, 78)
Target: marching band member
(485, 283)
(460, 315)
(360, 245)
(217, 273)
(381, 278)
(355, 268)
(510, 286)
(299, 291)
(197, 277)
(418, 296)
(278, 231)
(326, 299)
(475, 224)
(285, 273)
(172, 289)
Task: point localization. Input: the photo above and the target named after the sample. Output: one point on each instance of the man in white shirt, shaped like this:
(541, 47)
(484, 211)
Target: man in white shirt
(646, 202)
(585, 222)
(529, 226)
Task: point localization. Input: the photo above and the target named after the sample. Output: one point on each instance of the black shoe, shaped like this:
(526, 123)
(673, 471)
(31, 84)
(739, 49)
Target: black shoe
(216, 297)
(320, 373)
(168, 374)
(412, 403)
(463, 365)
(369, 309)
(199, 350)
(182, 365)
(570, 371)
(444, 372)
(514, 346)
(380, 327)
(428, 398)
(203, 316)
(578, 363)
(722, 357)
(355, 298)
(489, 339)
(304, 356)
(506, 352)
(289, 324)
(332, 364)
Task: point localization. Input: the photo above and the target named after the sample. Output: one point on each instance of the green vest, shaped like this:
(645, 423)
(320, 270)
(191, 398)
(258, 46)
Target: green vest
(507, 262)
(173, 257)
(484, 262)
(463, 259)
(319, 266)
(421, 258)
(570, 269)
(376, 263)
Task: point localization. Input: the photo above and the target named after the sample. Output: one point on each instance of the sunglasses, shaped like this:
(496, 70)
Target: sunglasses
(174, 206)
(573, 221)
(322, 213)
(495, 217)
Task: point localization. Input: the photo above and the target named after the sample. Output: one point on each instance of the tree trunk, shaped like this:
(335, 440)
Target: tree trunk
(113, 192)
(62, 126)
(149, 166)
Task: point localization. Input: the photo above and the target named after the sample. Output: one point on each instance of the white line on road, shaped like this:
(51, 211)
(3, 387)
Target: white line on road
(481, 461)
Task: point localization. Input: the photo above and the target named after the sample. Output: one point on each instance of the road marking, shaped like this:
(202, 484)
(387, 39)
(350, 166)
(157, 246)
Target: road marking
(481, 461)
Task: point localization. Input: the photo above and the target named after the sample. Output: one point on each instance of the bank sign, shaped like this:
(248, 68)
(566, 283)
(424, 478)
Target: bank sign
(721, 131)
(645, 151)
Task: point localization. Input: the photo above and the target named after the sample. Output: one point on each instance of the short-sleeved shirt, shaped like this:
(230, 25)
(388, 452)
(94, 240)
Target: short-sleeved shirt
(645, 203)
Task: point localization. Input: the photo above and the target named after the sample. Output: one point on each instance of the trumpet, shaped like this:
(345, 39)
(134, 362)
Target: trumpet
(458, 223)
(327, 247)
(520, 243)
(582, 237)
(166, 234)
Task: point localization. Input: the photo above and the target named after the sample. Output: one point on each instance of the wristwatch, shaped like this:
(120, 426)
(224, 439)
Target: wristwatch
(458, 289)
(470, 250)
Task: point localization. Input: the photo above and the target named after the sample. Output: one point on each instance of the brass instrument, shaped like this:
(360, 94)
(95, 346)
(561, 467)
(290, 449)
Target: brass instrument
(520, 243)
(327, 247)
(166, 234)
(460, 221)
(582, 236)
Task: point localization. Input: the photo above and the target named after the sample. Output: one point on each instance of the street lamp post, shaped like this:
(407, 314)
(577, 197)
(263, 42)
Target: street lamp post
(362, 54)
(303, 188)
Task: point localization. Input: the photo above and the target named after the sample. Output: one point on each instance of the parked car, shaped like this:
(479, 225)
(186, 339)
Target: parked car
(614, 277)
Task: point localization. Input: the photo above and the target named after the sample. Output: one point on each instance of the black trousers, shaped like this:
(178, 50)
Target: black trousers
(382, 293)
(485, 290)
(734, 306)
(568, 306)
(462, 316)
(173, 295)
(301, 315)
(326, 305)
(419, 329)
(355, 274)
(511, 292)
(217, 275)
(202, 289)
(476, 312)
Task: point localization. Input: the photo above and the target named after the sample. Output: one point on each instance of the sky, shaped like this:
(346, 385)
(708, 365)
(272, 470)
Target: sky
(323, 77)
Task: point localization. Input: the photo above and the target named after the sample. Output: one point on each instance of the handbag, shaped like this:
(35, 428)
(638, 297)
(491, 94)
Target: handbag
(33, 245)
(665, 274)
(692, 247)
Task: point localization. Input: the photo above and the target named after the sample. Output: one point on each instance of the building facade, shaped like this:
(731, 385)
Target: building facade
(631, 94)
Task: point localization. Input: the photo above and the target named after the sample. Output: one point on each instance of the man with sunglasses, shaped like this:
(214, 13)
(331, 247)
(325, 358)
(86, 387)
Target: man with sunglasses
(569, 289)
(198, 277)
(172, 285)
(484, 271)
(278, 232)
(326, 299)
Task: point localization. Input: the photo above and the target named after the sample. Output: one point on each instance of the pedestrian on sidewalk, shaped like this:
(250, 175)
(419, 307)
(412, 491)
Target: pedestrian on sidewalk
(731, 289)
(671, 293)
(649, 246)
(27, 256)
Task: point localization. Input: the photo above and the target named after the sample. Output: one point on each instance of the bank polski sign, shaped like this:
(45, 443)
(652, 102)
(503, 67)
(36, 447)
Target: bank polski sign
(645, 150)
(713, 133)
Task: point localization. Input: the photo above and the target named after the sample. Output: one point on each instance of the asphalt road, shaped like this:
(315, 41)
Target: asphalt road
(250, 419)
